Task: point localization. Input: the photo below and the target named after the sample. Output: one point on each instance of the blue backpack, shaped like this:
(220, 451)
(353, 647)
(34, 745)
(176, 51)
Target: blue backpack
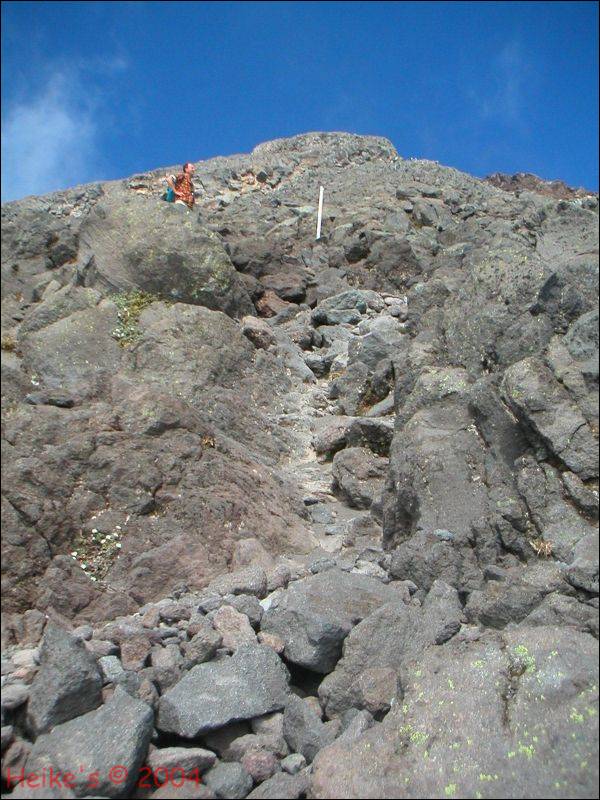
(169, 195)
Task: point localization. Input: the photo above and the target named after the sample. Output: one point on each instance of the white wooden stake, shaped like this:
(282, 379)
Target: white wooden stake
(320, 214)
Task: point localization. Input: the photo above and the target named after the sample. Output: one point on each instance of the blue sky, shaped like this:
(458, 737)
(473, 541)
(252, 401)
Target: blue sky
(101, 90)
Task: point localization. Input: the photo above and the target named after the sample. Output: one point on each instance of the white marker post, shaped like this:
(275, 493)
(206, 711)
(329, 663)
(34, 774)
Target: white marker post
(320, 214)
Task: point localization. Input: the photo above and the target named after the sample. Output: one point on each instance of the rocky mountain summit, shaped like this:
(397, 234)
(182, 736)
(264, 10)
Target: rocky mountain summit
(287, 517)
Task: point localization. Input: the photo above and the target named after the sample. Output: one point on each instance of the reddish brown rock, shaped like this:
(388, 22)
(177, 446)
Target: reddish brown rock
(270, 304)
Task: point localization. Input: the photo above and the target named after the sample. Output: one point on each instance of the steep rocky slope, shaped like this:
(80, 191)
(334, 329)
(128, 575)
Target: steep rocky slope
(321, 513)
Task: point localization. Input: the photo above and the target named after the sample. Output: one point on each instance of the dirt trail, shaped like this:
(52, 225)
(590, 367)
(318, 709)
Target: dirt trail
(339, 530)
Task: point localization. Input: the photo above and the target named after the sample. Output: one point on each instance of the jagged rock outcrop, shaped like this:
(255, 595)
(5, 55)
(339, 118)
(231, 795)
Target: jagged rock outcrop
(286, 517)
(526, 181)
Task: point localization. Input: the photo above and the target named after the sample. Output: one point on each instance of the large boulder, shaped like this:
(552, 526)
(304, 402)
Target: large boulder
(359, 475)
(130, 242)
(251, 683)
(102, 750)
(368, 674)
(381, 341)
(67, 684)
(58, 305)
(251, 580)
(515, 715)
(344, 308)
(437, 470)
(376, 434)
(314, 615)
(159, 405)
(77, 353)
(425, 557)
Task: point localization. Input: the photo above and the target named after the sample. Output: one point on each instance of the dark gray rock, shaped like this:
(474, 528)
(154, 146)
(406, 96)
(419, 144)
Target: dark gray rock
(581, 341)
(67, 684)
(293, 763)
(270, 742)
(282, 787)
(117, 733)
(322, 514)
(556, 520)
(355, 725)
(351, 389)
(229, 780)
(58, 305)
(338, 316)
(246, 604)
(14, 696)
(503, 602)
(499, 700)
(558, 610)
(289, 286)
(161, 252)
(314, 615)
(583, 571)
(303, 729)
(586, 499)
(424, 558)
(7, 735)
(251, 580)
(250, 683)
(437, 469)
(344, 308)
(56, 398)
(184, 759)
(65, 354)
(383, 337)
(167, 663)
(111, 669)
(368, 674)
(430, 215)
(359, 476)
(536, 396)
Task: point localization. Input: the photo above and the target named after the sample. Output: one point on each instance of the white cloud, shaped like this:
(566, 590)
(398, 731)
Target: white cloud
(50, 140)
(504, 97)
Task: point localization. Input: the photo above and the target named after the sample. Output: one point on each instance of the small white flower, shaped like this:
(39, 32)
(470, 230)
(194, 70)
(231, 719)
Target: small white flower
(119, 545)
(74, 553)
(84, 566)
(94, 530)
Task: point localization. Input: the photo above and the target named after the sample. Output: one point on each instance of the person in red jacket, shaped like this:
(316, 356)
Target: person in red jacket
(183, 185)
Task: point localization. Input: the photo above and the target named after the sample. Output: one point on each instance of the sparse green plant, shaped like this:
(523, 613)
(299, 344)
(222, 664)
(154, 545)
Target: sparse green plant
(521, 661)
(95, 552)
(130, 305)
(8, 342)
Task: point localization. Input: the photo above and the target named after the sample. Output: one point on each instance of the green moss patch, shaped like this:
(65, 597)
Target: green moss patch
(130, 305)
